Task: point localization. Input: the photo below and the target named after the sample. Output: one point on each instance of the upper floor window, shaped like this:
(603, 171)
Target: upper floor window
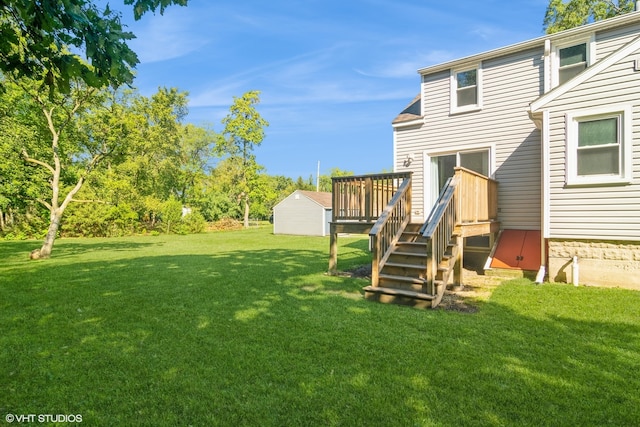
(572, 61)
(466, 90)
(571, 58)
(599, 144)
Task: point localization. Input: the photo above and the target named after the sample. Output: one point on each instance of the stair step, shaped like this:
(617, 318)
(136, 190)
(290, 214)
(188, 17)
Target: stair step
(410, 254)
(399, 292)
(402, 279)
(403, 265)
(411, 247)
(403, 243)
(412, 235)
(413, 228)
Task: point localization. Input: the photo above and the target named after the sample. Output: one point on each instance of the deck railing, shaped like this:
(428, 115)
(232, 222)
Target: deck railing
(389, 227)
(479, 201)
(384, 201)
(439, 228)
(364, 198)
(467, 197)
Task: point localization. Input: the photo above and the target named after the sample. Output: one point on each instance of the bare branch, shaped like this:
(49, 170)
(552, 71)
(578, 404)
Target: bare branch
(44, 203)
(30, 159)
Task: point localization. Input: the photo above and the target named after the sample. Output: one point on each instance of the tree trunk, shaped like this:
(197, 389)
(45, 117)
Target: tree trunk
(2, 227)
(246, 212)
(47, 246)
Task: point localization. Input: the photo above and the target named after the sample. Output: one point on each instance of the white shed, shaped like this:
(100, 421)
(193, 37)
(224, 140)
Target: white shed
(305, 213)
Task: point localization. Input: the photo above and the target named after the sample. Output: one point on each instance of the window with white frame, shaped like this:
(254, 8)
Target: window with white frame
(571, 58)
(572, 61)
(598, 146)
(466, 89)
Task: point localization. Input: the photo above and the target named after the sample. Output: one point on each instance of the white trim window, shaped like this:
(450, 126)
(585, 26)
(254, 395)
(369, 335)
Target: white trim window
(571, 58)
(466, 89)
(599, 146)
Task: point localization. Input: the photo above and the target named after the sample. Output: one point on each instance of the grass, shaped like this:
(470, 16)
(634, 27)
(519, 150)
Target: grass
(244, 328)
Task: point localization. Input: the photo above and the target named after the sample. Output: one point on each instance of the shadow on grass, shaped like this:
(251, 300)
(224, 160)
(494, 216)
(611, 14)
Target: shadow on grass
(64, 248)
(262, 337)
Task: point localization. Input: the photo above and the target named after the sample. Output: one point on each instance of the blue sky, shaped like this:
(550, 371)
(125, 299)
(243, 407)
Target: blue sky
(332, 74)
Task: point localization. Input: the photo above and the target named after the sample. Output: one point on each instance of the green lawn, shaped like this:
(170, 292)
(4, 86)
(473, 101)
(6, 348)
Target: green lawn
(244, 328)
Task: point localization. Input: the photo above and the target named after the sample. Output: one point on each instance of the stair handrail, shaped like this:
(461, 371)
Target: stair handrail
(439, 228)
(389, 227)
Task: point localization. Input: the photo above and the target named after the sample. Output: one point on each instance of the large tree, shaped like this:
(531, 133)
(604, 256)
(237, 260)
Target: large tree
(39, 40)
(243, 131)
(73, 153)
(39, 45)
(562, 15)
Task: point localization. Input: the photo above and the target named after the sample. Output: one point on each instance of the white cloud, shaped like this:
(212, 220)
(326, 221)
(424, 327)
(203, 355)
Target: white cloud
(408, 65)
(169, 36)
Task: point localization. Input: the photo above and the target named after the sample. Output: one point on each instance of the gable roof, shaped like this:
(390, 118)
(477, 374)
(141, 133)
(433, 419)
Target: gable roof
(593, 70)
(322, 198)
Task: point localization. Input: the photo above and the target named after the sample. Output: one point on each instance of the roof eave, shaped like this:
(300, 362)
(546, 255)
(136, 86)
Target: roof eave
(406, 123)
(533, 43)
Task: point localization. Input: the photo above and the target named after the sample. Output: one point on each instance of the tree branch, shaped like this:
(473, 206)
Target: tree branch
(30, 159)
(44, 203)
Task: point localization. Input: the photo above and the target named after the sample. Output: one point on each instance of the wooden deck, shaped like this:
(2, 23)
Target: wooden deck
(380, 205)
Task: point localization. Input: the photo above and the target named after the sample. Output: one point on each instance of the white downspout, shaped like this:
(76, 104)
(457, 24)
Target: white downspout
(575, 272)
(545, 194)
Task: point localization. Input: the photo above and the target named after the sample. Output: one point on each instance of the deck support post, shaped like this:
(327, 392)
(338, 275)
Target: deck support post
(457, 269)
(333, 249)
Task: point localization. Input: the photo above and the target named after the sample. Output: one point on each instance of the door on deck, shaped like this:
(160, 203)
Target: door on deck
(442, 168)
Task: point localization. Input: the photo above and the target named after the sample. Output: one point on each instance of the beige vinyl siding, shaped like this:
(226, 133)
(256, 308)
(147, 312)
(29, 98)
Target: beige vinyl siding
(609, 41)
(509, 84)
(605, 211)
(407, 141)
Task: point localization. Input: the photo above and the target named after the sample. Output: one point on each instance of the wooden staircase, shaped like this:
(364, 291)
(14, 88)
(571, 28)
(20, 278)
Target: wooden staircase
(412, 263)
(402, 279)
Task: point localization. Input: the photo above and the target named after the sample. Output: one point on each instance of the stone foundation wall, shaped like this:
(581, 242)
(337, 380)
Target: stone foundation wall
(601, 263)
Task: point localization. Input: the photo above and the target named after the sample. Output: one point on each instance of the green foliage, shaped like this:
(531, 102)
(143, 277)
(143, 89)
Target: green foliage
(563, 15)
(132, 155)
(243, 127)
(38, 40)
(325, 181)
(171, 212)
(191, 223)
(27, 224)
(243, 131)
(21, 129)
(100, 220)
(215, 205)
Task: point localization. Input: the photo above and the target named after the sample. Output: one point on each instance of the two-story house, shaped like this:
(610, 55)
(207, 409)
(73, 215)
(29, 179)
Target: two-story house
(527, 157)
(556, 122)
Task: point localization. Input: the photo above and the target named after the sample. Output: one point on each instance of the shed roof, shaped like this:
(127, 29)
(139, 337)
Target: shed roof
(321, 197)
